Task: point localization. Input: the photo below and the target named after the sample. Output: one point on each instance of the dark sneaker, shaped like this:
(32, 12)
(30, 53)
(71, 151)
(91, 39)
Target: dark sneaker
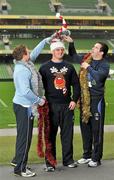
(73, 165)
(14, 165)
(94, 163)
(27, 173)
(49, 169)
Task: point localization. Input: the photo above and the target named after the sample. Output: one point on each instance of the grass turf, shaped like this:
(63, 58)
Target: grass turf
(7, 149)
(7, 116)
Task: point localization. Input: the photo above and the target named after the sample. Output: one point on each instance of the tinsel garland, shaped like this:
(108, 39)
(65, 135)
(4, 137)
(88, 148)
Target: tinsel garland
(85, 94)
(44, 129)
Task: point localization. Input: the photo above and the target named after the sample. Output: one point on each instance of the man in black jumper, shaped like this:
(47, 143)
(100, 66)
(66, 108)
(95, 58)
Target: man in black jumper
(93, 130)
(58, 77)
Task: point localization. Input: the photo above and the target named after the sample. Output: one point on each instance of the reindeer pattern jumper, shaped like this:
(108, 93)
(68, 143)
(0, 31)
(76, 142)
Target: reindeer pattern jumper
(57, 79)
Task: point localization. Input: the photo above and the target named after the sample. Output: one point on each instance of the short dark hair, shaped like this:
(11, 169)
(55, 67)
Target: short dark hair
(19, 51)
(104, 48)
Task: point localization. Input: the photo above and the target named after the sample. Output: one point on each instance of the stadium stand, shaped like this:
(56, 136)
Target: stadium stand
(73, 7)
(26, 24)
(5, 72)
(38, 7)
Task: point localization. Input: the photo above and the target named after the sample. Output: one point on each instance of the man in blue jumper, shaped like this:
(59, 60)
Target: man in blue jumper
(96, 69)
(26, 99)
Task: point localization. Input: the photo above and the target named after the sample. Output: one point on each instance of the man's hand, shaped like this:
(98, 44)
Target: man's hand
(67, 38)
(49, 39)
(85, 65)
(72, 105)
(42, 102)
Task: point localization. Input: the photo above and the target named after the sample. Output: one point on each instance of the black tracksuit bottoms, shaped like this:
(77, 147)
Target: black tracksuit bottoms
(93, 131)
(24, 120)
(60, 115)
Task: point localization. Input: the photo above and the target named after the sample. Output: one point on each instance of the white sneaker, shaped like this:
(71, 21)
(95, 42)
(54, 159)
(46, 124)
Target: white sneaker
(73, 165)
(49, 169)
(27, 173)
(83, 161)
(94, 163)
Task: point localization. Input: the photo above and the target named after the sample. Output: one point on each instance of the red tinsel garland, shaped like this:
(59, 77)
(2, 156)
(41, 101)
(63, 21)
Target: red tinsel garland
(44, 124)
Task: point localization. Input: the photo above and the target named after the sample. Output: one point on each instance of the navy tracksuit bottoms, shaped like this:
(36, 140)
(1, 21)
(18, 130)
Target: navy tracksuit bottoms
(93, 131)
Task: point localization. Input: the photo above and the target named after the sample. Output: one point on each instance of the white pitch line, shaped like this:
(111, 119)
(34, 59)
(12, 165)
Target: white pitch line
(110, 103)
(3, 103)
(110, 43)
(11, 125)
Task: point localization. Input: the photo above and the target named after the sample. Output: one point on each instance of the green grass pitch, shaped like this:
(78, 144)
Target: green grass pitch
(7, 118)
